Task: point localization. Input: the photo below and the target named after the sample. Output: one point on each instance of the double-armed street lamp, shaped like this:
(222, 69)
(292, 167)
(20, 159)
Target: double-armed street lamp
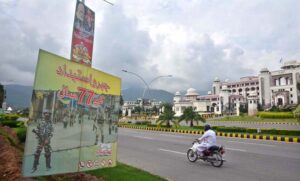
(147, 86)
(161, 76)
(141, 78)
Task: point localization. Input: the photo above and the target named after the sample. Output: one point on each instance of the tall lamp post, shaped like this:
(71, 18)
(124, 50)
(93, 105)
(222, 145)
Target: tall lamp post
(137, 75)
(161, 76)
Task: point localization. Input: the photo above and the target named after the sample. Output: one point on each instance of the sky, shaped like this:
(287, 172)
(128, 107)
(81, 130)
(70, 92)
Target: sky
(195, 41)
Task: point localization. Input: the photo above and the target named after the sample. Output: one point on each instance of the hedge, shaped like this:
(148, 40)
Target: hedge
(241, 130)
(11, 117)
(21, 133)
(275, 115)
(9, 123)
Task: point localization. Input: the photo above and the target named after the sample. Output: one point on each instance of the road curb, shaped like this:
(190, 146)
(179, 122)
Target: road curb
(231, 135)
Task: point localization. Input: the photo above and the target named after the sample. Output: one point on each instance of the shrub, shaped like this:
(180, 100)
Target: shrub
(297, 113)
(12, 124)
(11, 117)
(143, 123)
(21, 133)
(275, 115)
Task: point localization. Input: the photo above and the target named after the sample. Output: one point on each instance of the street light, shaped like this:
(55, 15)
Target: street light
(146, 85)
(161, 76)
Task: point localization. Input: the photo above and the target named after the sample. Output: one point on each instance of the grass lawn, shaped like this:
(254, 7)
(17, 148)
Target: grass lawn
(252, 119)
(124, 172)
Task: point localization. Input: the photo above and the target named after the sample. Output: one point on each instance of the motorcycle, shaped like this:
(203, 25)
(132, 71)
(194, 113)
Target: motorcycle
(212, 155)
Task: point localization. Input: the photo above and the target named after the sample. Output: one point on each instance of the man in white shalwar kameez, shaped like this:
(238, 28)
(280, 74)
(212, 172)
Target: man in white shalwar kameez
(207, 140)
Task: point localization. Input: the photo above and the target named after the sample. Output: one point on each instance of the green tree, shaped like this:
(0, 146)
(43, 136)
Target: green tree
(297, 113)
(155, 110)
(121, 100)
(190, 115)
(1, 95)
(167, 116)
(138, 109)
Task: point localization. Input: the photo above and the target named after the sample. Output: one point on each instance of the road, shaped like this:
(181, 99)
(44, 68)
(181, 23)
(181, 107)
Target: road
(164, 154)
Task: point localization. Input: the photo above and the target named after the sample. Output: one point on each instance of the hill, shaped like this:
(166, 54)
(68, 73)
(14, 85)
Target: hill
(19, 96)
(132, 94)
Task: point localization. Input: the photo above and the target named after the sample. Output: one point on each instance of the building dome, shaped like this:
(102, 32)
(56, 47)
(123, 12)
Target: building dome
(264, 70)
(217, 79)
(177, 93)
(290, 64)
(192, 92)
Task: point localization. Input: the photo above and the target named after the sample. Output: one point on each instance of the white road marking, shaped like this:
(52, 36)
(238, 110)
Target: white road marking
(143, 137)
(251, 143)
(181, 153)
(233, 149)
(170, 135)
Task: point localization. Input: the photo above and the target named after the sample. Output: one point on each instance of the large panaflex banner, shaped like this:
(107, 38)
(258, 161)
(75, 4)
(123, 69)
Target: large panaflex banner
(73, 119)
(83, 35)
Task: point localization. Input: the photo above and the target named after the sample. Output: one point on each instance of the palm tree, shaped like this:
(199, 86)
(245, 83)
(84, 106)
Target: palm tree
(167, 116)
(190, 115)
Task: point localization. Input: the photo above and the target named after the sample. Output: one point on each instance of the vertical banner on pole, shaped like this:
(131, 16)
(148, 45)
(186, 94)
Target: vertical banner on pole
(83, 35)
(73, 118)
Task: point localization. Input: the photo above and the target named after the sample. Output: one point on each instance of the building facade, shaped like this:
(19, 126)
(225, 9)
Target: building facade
(270, 88)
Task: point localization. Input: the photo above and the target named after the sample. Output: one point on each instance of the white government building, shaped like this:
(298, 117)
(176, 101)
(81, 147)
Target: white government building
(269, 88)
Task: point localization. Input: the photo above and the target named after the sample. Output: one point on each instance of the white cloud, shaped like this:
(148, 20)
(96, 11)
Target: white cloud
(194, 40)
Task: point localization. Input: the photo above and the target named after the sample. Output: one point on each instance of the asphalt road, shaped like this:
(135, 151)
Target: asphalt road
(164, 154)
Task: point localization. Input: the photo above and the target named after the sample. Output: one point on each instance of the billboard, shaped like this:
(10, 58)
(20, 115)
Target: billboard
(83, 35)
(73, 118)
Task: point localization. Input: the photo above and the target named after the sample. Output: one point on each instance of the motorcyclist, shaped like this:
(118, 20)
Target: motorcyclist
(207, 140)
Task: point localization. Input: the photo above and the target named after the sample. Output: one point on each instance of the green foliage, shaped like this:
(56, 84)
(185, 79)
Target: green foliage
(137, 109)
(243, 108)
(21, 133)
(1, 95)
(252, 131)
(167, 116)
(275, 115)
(190, 115)
(9, 117)
(143, 123)
(259, 107)
(297, 113)
(155, 110)
(9, 123)
(124, 172)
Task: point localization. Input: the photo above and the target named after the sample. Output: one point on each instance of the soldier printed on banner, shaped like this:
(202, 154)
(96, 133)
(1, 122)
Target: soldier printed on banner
(44, 133)
(98, 127)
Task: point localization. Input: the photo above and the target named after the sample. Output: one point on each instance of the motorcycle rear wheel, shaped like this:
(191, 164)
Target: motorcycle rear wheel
(217, 160)
(192, 156)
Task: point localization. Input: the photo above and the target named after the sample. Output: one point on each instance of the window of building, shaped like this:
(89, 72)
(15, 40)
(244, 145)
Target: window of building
(291, 95)
(292, 102)
(250, 102)
(291, 89)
